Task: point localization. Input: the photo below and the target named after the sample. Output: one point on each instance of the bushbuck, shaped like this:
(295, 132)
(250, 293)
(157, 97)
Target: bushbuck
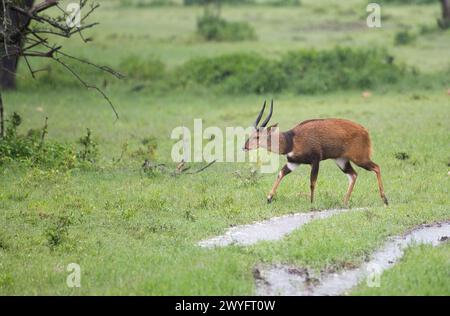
(315, 140)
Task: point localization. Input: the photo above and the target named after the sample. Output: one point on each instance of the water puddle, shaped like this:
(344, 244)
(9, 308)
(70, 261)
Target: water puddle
(288, 280)
(272, 229)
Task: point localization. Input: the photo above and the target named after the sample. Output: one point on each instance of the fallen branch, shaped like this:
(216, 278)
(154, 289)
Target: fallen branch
(149, 167)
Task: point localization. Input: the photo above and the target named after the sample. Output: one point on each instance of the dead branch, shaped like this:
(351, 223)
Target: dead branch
(180, 169)
(16, 29)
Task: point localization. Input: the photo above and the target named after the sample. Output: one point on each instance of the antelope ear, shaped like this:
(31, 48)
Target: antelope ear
(272, 126)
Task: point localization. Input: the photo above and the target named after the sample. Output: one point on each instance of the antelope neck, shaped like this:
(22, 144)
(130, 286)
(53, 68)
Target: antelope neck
(285, 142)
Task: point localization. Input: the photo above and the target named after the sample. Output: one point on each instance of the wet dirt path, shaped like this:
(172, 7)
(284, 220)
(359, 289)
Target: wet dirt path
(272, 229)
(288, 280)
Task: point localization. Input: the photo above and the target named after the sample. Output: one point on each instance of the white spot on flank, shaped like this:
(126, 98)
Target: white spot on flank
(341, 162)
(291, 154)
(292, 166)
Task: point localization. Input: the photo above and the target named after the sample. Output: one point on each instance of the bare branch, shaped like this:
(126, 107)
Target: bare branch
(86, 85)
(38, 45)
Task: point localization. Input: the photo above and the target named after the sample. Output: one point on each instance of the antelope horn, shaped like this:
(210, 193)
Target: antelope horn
(269, 116)
(260, 115)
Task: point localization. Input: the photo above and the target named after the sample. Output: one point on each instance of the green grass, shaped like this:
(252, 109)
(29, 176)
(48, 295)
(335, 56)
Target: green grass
(134, 234)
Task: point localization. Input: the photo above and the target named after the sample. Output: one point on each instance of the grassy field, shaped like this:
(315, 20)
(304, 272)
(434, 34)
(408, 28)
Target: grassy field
(132, 233)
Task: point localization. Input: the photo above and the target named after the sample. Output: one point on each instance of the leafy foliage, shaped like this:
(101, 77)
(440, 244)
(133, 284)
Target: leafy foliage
(407, 2)
(32, 148)
(89, 151)
(215, 28)
(304, 72)
(138, 68)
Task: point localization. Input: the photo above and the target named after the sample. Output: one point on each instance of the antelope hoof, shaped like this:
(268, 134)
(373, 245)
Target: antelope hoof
(269, 199)
(385, 200)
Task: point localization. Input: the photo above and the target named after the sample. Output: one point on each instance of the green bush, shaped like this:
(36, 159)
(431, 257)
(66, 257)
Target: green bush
(246, 2)
(214, 28)
(201, 2)
(89, 151)
(341, 68)
(147, 3)
(32, 148)
(283, 2)
(407, 2)
(143, 69)
(238, 73)
(303, 72)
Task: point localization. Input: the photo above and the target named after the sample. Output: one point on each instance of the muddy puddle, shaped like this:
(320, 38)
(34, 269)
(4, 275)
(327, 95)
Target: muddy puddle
(272, 229)
(289, 280)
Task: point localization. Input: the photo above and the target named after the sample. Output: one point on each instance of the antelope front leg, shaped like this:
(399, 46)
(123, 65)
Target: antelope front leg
(288, 168)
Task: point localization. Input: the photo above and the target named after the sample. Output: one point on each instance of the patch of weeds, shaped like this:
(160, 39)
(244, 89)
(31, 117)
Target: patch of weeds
(247, 177)
(370, 215)
(189, 216)
(123, 152)
(129, 212)
(228, 201)
(32, 148)
(3, 243)
(114, 205)
(205, 202)
(152, 170)
(6, 280)
(402, 156)
(140, 69)
(18, 195)
(147, 3)
(404, 38)
(215, 28)
(80, 204)
(155, 204)
(89, 151)
(147, 149)
(58, 231)
(427, 29)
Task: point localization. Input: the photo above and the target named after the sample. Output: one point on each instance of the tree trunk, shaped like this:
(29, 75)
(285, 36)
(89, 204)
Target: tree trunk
(8, 64)
(445, 21)
(2, 120)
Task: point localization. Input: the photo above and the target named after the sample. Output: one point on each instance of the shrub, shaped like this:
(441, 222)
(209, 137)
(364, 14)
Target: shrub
(407, 2)
(147, 3)
(148, 69)
(201, 2)
(301, 71)
(215, 28)
(147, 149)
(253, 2)
(57, 231)
(341, 68)
(238, 73)
(89, 151)
(34, 149)
(284, 2)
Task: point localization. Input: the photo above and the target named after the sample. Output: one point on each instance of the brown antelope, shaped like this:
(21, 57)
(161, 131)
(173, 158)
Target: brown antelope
(312, 141)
